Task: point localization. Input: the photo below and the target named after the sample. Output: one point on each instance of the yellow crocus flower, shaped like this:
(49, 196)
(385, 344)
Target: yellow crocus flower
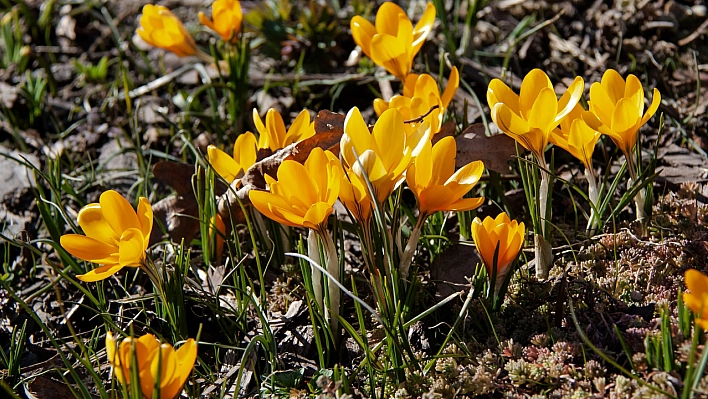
(697, 297)
(116, 236)
(383, 154)
(576, 137)
(245, 155)
(302, 195)
(616, 108)
(393, 42)
(499, 232)
(436, 184)
(420, 94)
(227, 17)
(160, 28)
(151, 357)
(273, 135)
(531, 116)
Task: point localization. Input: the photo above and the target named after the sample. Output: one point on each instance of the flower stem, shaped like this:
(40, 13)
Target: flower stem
(313, 252)
(542, 250)
(593, 195)
(332, 261)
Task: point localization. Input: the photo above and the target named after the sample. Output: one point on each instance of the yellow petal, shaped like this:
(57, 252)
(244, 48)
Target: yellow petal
(532, 85)
(389, 136)
(499, 92)
(317, 215)
(387, 18)
(145, 217)
(223, 164)
(423, 27)
(444, 153)
(118, 212)
(625, 121)
(613, 85)
(300, 128)
(696, 282)
(465, 204)
(94, 225)
(245, 151)
(276, 129)
(380, 106)
(87, 248)
(131, 249)
(655, 101)
(453, 82)
(601, 103)
(390, 52)
(509, 122)
(271, 206)
(466, 177)
(185, 356)
(362, 32)
(356, 136)
(542, 114)
(569, 99)
(100, 273)
(264, 139)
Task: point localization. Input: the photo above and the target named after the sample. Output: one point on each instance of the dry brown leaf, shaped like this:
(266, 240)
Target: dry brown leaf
(495, 151)
(179, 213)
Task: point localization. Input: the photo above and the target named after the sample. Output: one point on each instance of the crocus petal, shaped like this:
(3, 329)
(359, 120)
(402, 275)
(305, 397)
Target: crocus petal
(223, 164)
(389, 137)
(387, 18)
(245, 150)
(613, 85)
(570, 98)
(465, 204)
(499, 92)
(601, 103)
(696, 282)
(118, 212)
(94, 224)
(423, 27)
(185, 357)
(380, 106)
(655, 101)
(145, 217)
(443, 159)
(508, 121)
(100, 273)
(317, 215)
(362, 31)
(87, 248)
(453, 82)
(531, 87)
(390, 52)
(267, 204)
(542, 114)
(131, 249)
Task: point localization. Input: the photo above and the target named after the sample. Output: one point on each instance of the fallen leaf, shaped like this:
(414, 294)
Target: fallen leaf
(495, 151)
(178, 213)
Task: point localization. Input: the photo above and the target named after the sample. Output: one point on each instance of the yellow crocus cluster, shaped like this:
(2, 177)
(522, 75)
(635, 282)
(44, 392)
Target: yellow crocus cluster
(616, 109)
(420, 95)
(154, 362)
(116, 236)
(535, 112)
(272, 136)
(393, 42)
(160, 28)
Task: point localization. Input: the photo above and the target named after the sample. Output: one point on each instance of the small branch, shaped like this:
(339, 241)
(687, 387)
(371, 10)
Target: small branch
(420, 118)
